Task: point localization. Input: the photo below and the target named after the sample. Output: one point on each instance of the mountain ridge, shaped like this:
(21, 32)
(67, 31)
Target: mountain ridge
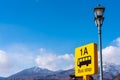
(37, 73)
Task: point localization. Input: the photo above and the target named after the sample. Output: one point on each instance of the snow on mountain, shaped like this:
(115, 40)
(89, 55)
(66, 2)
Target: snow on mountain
(111, 68)
(32, 71)
(35, 73)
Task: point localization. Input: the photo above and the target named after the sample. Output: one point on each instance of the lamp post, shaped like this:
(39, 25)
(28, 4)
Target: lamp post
(99, 10)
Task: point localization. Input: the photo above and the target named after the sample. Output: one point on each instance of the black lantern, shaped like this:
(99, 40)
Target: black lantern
(99, 10)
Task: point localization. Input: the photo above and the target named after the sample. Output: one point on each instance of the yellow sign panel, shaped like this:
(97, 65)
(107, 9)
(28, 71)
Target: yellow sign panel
(86, 60)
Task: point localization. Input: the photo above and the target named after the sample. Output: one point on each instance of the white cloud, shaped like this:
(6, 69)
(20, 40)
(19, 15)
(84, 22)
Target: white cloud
(69, 67)
(46, 61)
(55, 62)
(23, 59)
(20, 52)
(16, 58)
(66, 56)
(111, 53)
(117, 42)
(5, 62)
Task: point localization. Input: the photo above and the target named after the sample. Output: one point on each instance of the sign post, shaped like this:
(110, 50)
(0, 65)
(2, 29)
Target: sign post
(86, 77)
(86, 61)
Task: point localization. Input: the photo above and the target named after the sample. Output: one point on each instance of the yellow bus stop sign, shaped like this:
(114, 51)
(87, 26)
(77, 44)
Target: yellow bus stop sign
(86, 60)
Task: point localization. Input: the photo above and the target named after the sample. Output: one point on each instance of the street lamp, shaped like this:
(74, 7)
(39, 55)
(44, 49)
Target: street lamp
(99, 10)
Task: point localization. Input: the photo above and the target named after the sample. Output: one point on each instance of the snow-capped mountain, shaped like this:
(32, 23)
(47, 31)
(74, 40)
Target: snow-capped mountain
(35, 73)
(111, 68)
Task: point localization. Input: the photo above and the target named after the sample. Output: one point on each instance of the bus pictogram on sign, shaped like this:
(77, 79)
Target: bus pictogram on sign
(84, 61)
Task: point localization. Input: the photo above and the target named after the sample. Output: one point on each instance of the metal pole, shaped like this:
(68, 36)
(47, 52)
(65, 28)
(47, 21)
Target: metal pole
(100, 54)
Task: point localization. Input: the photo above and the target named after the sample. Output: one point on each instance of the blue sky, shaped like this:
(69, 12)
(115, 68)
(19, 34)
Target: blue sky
(31, 30)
